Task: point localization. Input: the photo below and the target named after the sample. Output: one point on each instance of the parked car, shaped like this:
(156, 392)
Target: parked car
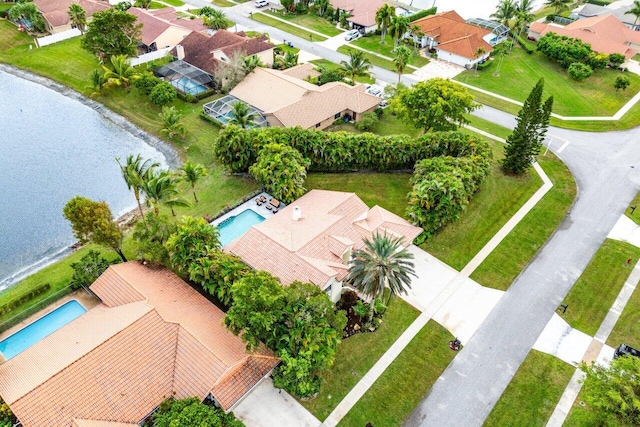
(624, 349)
(374, 90)
(261, 3)
(352, 35)
(383, 104)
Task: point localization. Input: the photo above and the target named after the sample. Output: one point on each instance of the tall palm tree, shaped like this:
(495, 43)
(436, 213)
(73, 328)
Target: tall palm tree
(380, 264)
(417, 33)
(357, 65)
(401, 59)
(171, 124)
(505, 12)
(558, 5)
(635, 10)
(398, 28)
(477, 54)
(135, 173)
(383, 19)
(121, 72)
(242, 115)
(161, 188)
(77, 16)
(191, 173)
(524, 14)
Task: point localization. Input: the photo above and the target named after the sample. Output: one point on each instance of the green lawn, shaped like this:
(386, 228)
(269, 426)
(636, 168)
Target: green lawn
(374, 59)
(223, 3)
(388, 125)
(595, 291)
(356, 355)
(174, 3)
(372, 43)
(393, 397)
(504, 264)
(635, 216)
(627, 329)
(581, 415)
(533, 392)
(266, 19)
(329, 64)
(487, 126)
(311, 21)
(594, 96)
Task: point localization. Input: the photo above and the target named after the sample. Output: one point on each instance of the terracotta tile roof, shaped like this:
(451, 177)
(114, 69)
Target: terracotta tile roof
(295, 102)
(97, 423)
(156, 22)
(363, 12)
(302, 71)
(453, 34)
(199, 48)
(118, 363)
(604, 33)
(55, 11)
(310, 249)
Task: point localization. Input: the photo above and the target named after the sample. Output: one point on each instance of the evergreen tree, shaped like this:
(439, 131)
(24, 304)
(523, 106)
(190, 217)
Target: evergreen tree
(525, 141)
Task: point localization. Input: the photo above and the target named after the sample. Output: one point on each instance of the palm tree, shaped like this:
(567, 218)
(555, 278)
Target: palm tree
(162, 188)
(171, 125)
(97, 82)
(77, 16)
(416, 32)
(381, 264)
(242, 115)
(290, 59)
(357, 65)
(635, 10)
(524, 15)
(401, 59)
(145, 4)
(398, 28)
(558, 5)
(135, 173)
(505, 12)
(214, 18)
(477, 54)
(250, 63)
(191, 173)
(122, 73)
(383, 19)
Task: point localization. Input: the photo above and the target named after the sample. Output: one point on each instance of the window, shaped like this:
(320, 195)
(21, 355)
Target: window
(337, 116)
(317, 125)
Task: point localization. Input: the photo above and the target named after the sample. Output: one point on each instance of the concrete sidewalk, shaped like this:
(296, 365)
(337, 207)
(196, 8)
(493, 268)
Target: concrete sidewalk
(626, 230)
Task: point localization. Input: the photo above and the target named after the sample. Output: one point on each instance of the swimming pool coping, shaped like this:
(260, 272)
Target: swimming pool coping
(249, 205)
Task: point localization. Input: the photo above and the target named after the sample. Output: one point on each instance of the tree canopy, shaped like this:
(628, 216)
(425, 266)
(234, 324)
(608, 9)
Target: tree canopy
(191, 413)
(282, 170)
(112, 32)
(194, 237)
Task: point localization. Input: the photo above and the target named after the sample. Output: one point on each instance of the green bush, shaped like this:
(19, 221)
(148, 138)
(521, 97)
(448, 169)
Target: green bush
(616, 59)
(88, 269)
(23, 299)
(146, 82)
(163, 94)
(525, 45)
(621, 83)
(423, 13)
(598, 61)
(484, 65)
(190, 413)
(579, 71)
(368, 122)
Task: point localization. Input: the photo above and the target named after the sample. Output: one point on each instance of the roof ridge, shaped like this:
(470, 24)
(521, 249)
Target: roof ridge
(175, 358)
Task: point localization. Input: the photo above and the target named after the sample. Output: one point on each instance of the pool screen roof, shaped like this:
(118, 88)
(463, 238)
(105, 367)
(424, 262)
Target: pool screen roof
(221, 108)
(495, 27)
(177, 69)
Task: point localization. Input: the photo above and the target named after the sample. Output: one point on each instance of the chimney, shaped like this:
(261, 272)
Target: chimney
(297, 213)
(180, 52)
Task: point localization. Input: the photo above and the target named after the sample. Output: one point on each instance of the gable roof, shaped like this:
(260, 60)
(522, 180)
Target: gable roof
(454, 34)
(604, 33)
(199, 48)
(295, 102)
(156, 22)
(362, 12)
(311, 248)
(56, 11)
(152, 337)
(589, 10)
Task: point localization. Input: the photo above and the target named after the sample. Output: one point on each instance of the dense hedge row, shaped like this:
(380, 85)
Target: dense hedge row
(422, 14)
(23, 299)
(238, 149)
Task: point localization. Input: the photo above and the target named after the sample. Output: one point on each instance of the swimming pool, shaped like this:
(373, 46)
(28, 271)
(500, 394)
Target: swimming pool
(235, 226)
(188, 86)
(41, 328)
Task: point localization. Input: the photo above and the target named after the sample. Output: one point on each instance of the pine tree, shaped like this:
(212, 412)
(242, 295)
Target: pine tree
(525, 141)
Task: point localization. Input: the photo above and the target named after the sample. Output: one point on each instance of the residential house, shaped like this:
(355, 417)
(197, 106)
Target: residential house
(152, 337)
(163, 28)
(56, 12)
(282, 99)
(312, 239)
(619, 11)
(606, 34)
(362, 13)
(454, 40)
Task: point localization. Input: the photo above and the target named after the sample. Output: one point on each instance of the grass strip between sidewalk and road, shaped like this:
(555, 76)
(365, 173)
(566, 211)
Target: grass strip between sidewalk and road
(533, 392)
(291, 29)
(396, 393)
(374, 59)
(309, 20)
(356, 356)
(635, 216)
(627, 328)
(596, 289)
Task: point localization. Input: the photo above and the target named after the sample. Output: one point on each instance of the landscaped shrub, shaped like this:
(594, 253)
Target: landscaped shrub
(621, 83)
(616, 59)
(565, 50)
(423, 13)
(23, 299)
(368, 122)
(146, 82)
(7, 419)
(579, 71)
(216, 272)
(598, 61)
(190, 413)
(484, 65)
(524, 44)
(281, 170)
(88, 269)
(163, 94)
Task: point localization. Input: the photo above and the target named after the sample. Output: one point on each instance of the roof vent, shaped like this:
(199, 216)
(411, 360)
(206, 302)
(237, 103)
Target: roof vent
(180, 52)
(296, 213)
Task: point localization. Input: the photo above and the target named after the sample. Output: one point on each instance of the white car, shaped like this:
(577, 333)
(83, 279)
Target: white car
(352, 35)
(375, 90)
(261, 3)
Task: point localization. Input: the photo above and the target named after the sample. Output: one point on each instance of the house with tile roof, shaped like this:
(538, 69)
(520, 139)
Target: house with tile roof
(454, 40)
(282, 98)
(56, 16)
(207, 52)
(163, 28)
(311, 240)
(151, 337)
(362, 13)
(620, 11)
(605, 33)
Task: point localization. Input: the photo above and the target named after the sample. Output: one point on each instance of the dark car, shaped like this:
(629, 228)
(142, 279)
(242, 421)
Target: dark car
(624, 349)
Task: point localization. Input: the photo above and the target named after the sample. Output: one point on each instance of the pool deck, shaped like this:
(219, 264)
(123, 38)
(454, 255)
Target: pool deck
(251, 205)
(83, 297)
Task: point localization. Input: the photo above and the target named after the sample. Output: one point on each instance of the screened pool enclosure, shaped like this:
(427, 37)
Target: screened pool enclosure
(220, 110)
(185, 77)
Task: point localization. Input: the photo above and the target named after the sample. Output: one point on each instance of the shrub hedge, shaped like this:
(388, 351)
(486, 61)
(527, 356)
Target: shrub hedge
(525, 45)
(423, 13)
(23, 299)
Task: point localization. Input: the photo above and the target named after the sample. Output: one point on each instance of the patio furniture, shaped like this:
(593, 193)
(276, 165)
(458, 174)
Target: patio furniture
(275, 210)
(275, 203)
(263, 198)
(259, 202)
(268, 207)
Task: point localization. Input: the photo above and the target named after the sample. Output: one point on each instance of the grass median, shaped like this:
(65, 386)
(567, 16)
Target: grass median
(374, 59)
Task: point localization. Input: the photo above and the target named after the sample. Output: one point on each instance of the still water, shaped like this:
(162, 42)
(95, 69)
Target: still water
(52, 148)
(466, 8)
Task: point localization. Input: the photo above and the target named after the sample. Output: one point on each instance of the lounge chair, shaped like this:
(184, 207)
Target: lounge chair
(275, 203)
(259, 202)
(263, 199)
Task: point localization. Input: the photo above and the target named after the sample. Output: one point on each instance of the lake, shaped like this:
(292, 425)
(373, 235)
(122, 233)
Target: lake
(466, 8)
(52, 148)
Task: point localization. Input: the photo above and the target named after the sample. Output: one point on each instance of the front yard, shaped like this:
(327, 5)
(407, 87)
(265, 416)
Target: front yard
(311, 21)
(371, 42)
(291, 29)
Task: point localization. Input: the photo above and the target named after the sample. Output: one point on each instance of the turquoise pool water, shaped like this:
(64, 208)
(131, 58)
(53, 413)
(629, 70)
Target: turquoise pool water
(41, 328)
(234, 227)
(189, 86)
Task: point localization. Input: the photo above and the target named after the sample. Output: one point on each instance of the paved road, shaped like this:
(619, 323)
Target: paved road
(607, 170)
